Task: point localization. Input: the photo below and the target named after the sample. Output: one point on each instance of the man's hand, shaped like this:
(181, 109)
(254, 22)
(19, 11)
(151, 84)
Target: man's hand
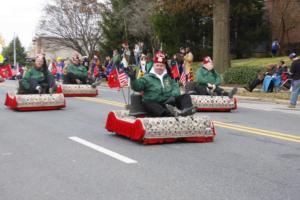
(213, 87)
(39, 89)
(130, 72)
(78, 81)
(210, 86)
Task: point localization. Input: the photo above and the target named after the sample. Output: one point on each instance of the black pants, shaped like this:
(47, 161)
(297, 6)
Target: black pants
(158, 109)
(45, 85)
(70, 78)
(257, 81)
(203, 90)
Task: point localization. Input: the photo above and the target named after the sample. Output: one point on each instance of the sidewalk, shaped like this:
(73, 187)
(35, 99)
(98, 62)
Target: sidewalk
(255, 98)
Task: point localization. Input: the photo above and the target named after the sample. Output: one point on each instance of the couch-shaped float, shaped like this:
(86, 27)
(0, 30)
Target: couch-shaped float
(214, 103)
(151, 130)
(79, 90)
(28, 102)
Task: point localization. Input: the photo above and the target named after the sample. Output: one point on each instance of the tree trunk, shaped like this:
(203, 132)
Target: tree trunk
(221, 55)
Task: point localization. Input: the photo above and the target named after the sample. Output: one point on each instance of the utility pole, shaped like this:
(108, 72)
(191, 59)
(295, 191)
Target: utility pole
(15, 55)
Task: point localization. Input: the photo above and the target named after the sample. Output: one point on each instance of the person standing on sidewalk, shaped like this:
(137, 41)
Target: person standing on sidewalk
(275, 47)
(295, 72)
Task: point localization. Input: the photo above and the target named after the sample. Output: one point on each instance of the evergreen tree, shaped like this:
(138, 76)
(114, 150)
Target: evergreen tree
(8, 52)
(113, 27)
(248, 26)
(184, 29)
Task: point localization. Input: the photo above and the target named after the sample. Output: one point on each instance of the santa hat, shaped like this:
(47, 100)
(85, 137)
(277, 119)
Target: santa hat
(207, 62)
(125, 44)
(159, 57)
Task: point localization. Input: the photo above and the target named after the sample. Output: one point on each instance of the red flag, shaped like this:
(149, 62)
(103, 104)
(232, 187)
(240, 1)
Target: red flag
(113, 81)
(175, 71)
(123, 79)
(6, 71)
(183, 79)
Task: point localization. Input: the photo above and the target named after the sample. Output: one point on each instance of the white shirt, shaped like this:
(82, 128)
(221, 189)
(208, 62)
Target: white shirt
(160, 77)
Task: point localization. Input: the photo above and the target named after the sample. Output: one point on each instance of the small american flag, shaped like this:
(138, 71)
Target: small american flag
(183, 78)
(190, 76)
(123, 79)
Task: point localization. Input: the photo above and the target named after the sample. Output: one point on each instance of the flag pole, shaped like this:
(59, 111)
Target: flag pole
(124, 96)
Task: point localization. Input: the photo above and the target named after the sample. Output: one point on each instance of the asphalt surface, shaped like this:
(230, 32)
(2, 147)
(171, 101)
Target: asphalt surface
(255, 155)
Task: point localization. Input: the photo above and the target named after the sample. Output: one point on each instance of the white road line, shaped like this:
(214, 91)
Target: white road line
(104, 150)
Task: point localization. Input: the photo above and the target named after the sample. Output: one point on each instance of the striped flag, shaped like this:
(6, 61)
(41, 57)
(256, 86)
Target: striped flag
(183, 79)
(123, 79)
(190, 76)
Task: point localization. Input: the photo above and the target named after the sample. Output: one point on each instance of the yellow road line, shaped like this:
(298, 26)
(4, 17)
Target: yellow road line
(104, 101)
(273, 134)
(257, 133)
(258, 130)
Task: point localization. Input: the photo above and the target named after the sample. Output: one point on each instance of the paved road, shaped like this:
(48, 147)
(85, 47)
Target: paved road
(256, 155)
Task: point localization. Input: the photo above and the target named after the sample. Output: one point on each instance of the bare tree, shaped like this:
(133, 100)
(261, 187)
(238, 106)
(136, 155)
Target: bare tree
(284, 19)
(137, 18)
(73, 24)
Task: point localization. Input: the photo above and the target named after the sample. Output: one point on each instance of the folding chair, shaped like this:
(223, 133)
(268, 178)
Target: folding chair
(286, 80)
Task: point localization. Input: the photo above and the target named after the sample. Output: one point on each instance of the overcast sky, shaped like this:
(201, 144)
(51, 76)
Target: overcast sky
(21, 17)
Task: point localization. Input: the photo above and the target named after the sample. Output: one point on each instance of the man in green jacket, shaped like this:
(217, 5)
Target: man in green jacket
(208, 81)
(38, 79)
(77, 73)
(161, 95)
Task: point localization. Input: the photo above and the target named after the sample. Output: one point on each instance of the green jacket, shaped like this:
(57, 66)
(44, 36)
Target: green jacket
(204, 76)
(153, 90)
(38, 75)
(78, 70)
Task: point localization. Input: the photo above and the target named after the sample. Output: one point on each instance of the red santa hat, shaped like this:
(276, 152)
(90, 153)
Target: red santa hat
(125, 44)
(159, 57)
(208, 63)
(206, 60)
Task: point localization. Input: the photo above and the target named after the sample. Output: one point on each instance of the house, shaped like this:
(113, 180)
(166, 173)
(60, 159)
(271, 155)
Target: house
(51, 50)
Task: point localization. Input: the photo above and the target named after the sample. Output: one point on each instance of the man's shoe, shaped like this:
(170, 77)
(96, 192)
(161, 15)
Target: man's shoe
(187, 111)
(95, 84)
(78, 81)
(232, 92)
(173, 110)
(291, 106)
